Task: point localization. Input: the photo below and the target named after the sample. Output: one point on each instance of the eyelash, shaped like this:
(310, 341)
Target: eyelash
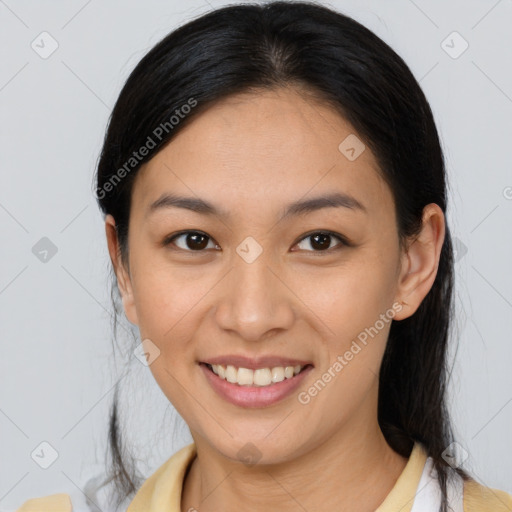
(343, 241)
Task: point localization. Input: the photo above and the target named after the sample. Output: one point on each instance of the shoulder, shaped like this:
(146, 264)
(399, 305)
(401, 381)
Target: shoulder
(52, 503)
(479, 498)
(92, 492)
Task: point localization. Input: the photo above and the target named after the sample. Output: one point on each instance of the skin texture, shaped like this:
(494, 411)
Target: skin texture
(251, 155)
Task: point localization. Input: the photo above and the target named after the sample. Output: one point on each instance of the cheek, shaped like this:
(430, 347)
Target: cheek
(168, 303)
(353, 302)
(351, 296)
(164, 294)
(355, 305)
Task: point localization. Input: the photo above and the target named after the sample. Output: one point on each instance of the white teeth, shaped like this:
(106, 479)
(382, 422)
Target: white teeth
(262, 377)
(277, 374)
(245, 377)
(221, 371)
(259, 377)
(231, 374)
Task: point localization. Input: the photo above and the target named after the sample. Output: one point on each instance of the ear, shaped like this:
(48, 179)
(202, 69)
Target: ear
(420, 261)
(122, 273)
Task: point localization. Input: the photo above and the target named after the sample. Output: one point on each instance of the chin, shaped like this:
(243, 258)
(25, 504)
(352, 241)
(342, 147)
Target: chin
(257, 450)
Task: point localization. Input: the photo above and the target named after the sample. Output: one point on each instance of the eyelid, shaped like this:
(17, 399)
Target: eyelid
(344, 242)
(169, 239)
(341, 238)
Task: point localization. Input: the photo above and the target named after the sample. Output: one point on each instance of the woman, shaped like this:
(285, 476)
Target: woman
(274, 195)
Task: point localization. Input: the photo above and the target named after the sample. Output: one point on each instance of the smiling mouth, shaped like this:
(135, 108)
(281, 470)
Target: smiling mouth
(260, 377)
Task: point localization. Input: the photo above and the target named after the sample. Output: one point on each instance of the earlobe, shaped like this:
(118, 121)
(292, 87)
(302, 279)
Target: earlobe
(420, 261)
(122, 274)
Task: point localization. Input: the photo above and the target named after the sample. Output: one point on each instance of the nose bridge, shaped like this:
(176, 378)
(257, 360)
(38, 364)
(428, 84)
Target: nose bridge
(255, 300)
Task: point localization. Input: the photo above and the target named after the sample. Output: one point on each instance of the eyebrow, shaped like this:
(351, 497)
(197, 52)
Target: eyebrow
(334, 200)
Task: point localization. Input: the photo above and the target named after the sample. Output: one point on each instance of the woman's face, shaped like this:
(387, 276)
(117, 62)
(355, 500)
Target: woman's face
(256, 283)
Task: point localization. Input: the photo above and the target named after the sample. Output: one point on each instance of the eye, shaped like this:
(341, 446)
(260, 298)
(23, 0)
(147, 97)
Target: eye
(196, 241)
(321, 241)
(190, 241)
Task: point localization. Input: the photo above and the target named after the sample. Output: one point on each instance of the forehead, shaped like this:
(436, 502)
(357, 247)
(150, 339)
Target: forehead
(263, 149)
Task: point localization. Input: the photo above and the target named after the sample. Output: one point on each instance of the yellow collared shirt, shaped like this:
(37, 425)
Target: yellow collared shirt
(162, 490)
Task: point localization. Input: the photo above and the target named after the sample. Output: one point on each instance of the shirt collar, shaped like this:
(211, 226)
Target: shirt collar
(401, 497)
(162, 490)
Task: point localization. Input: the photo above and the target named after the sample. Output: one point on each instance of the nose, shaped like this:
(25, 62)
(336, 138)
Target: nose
(255, 302)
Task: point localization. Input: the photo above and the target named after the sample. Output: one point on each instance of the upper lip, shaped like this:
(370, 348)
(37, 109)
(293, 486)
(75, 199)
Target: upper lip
(254, 363)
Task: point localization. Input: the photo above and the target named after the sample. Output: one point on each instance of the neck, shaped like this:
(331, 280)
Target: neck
(359, 468)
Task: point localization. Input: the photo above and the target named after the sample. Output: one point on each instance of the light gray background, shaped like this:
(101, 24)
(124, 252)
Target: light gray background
(57, 368)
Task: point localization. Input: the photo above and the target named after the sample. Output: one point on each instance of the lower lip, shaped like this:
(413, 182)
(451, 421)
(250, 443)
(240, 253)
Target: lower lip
(254, 396)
